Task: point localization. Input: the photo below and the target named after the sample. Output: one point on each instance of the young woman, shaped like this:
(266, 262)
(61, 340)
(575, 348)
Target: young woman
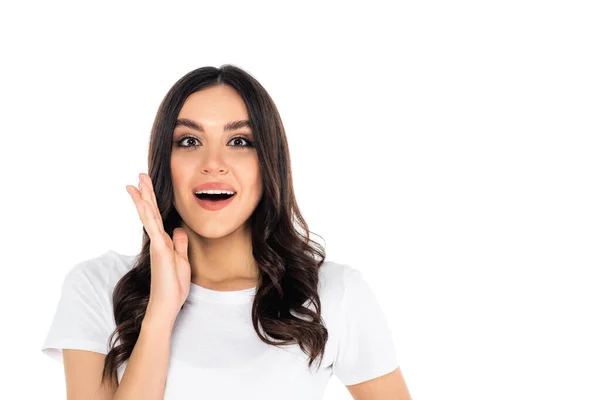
(227, 299)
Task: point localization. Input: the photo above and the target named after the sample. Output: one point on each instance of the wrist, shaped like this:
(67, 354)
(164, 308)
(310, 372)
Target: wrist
(156, 319)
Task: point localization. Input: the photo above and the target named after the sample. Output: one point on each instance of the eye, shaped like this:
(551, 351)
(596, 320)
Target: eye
(181, 141)
(249, 143)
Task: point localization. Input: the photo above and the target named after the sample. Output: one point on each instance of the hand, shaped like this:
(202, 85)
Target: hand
(170, 273)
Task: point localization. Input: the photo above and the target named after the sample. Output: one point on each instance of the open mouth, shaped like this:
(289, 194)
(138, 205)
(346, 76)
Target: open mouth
(214, 197)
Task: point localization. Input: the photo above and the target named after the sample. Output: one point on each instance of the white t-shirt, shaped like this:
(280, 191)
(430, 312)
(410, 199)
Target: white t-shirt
(215, 351)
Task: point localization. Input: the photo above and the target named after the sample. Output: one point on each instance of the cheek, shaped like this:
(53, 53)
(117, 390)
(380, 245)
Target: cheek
(175, 175)
(181, 167)
(251, 176)
(179, 176)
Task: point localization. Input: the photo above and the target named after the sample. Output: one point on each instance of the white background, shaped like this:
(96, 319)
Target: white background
(447, 149)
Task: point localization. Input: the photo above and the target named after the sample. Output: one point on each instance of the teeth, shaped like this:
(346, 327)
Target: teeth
(215, 192)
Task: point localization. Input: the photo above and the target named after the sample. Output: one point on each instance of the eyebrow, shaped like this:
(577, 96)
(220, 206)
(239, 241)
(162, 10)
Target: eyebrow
(230, 126)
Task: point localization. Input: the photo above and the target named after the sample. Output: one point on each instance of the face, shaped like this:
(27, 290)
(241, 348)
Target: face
(213, 154)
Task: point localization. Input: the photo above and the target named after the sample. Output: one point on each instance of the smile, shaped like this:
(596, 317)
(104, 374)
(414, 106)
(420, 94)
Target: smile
(214, 202)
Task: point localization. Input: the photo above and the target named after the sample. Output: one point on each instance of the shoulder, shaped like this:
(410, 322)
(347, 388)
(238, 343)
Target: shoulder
(83, 318)
(336, 277)
(101, 271)
(337, 283)
(344, 289)
(332, 278)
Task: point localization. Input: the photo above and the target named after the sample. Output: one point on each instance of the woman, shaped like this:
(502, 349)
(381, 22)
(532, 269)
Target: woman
(227, 299)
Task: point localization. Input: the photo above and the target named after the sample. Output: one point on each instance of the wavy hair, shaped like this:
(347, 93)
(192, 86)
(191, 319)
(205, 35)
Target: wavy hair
(288, 260)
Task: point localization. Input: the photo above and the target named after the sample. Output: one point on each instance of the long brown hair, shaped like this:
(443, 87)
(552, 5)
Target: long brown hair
(288, 260)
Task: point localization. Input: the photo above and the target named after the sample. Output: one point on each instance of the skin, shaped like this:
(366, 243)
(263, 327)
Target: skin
(220, 243)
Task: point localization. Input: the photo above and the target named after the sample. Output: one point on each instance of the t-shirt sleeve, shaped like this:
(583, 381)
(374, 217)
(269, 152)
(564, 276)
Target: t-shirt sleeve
(366, 349)
(81, 320)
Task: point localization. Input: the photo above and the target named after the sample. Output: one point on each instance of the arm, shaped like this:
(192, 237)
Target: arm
(387, 387)
(83, 369)
(146, 373)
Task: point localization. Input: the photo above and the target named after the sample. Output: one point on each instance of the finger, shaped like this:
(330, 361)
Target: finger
(136, 196)
(147, 196)
(151, 198)
(180, 242)
(145, 189)
(144, 210)
(148, 181)
(156, 223)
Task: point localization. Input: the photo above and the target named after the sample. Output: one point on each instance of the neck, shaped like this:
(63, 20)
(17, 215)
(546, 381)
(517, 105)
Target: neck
(224, 263)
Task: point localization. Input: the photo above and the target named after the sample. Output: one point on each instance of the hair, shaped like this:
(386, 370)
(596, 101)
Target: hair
(288, 260)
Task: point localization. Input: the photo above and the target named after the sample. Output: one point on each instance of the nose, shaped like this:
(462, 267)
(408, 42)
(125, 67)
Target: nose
(208, 170)
(213, 161)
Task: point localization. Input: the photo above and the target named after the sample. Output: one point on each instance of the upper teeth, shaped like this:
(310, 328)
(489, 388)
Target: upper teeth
(215, 192)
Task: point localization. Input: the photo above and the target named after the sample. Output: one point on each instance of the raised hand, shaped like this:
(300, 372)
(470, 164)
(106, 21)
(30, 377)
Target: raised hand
(170, 273)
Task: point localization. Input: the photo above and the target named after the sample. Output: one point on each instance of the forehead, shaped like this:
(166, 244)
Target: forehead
(214, 106)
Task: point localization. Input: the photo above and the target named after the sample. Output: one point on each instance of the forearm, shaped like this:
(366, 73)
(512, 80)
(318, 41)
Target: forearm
(145, 376)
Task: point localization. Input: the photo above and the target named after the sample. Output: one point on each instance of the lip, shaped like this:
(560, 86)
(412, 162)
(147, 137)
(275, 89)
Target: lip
(213, 186)
(214, 205)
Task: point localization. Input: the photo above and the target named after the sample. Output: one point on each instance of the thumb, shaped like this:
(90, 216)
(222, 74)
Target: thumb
(180, 242)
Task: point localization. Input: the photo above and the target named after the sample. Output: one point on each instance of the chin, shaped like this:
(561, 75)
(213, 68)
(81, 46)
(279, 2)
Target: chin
(214, 229)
